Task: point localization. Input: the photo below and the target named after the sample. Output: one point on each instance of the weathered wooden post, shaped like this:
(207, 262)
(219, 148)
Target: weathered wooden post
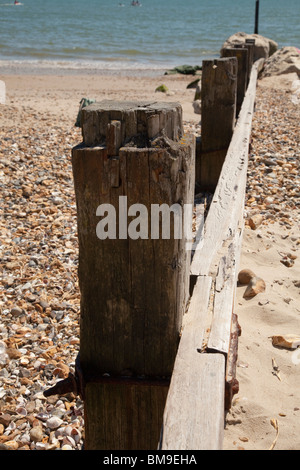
(249, 44)
(219, 84)
(241, 53)
(134, 168)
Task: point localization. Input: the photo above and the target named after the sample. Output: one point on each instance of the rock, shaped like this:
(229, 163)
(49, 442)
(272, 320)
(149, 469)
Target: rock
(263, 48)
(5, 419)
(12, 445)
(255, 286)
(36, 434)
(185, 69)
(245, 276)
(289, 341)
(26, 191)
(13, 353)
(197, 106)
(255, 221)
(285, 60)
(16, 311)
(288, 262)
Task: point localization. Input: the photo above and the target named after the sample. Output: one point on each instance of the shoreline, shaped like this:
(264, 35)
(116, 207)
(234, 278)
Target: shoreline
(83, 67)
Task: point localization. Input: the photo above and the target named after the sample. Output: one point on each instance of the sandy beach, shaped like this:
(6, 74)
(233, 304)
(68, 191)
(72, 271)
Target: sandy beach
(39, 296)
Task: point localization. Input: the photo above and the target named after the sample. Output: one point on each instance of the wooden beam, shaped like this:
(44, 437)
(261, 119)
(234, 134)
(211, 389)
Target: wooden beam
(194, 413)
(225, 291)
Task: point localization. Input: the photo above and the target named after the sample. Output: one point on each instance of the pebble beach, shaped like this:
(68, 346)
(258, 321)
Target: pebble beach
(39, 293)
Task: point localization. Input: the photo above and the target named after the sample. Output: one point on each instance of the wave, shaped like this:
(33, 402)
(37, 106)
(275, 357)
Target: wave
(112, 66)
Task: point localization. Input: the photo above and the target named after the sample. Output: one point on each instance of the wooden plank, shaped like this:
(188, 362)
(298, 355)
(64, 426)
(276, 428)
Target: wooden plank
(194, 323)
(219, 337)
(220, 332)
(194, 412)
(219, 220)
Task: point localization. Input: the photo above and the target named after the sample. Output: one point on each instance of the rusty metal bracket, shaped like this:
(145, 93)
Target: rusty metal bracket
(231, 383)
(72, 384)
(76, 383)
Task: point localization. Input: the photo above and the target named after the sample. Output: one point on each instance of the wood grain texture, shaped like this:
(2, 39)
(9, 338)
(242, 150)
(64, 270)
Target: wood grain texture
(134, 285)
(123, 416)
(218, 103)
(225, 291)
(218, 110)
(194, 412)
(241, 53)
(133, 292)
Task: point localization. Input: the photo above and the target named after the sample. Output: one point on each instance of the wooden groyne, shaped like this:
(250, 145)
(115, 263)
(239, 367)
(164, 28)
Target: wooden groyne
(204, 371)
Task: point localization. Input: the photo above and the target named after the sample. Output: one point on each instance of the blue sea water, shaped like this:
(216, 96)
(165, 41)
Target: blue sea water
(159, 34)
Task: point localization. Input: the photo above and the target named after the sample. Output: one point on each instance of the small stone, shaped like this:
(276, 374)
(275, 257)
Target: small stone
(12, 445)
(43, 303)
(16, 312)
(255, 221)
(245, 276)
(13, 353)
(26, 191)
(288, 262)
(5, 419)
(255, 286)
(288, 341)
(36, 434)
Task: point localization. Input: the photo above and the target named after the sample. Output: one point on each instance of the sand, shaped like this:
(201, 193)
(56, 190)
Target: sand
(262, 397)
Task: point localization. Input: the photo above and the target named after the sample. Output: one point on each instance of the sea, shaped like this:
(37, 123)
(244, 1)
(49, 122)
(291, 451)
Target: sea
(116, 36)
